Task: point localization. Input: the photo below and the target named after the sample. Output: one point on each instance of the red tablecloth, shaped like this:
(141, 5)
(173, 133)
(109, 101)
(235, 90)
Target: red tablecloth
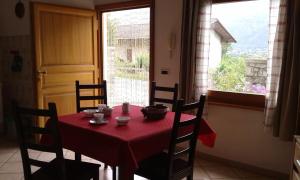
(123, 146)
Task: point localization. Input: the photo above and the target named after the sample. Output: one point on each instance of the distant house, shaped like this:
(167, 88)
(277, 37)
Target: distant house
(132, 40)
(219, 36)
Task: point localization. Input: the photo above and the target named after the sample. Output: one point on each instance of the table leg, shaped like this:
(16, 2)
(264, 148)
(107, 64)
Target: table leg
(124, 175)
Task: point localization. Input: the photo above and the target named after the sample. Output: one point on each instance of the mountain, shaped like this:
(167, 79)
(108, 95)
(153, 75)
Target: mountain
(248, 23)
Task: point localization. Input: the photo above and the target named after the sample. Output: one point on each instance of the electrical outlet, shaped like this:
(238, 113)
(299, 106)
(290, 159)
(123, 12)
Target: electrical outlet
(164, 71)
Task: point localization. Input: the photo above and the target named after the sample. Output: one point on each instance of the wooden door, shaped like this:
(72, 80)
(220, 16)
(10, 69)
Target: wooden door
(65, 42)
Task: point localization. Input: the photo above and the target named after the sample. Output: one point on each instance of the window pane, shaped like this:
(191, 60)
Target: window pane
(126, 56)
(239, 46)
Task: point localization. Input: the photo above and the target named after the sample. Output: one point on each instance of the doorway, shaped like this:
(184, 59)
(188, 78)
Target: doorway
(126, 46)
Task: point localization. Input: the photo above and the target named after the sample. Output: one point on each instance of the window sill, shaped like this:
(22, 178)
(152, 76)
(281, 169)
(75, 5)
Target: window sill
(238, 100)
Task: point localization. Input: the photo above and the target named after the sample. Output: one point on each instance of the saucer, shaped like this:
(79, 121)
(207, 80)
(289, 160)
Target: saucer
(94, 122)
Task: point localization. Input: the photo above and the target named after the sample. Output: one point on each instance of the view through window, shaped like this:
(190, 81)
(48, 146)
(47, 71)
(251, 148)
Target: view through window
(239, 46)
(126, 57)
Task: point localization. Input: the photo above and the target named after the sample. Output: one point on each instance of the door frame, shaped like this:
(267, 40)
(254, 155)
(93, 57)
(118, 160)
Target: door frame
(135, 4)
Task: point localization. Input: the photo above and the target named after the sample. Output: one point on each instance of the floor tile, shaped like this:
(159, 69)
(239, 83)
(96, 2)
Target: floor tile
(69, 155)
(200, 174)
(11, 176)
(246, 174)
(17, 156)
(205, 163)
(221, 172)
(261, 178)
(226, 179)
(5, 155)
(11, 167)
(46, 156)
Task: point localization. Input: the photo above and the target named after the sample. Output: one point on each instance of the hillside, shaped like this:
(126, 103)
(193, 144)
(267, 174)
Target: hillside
(248, 23)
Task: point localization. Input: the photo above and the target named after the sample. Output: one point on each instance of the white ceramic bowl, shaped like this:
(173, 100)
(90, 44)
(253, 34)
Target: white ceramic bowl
(122, 120)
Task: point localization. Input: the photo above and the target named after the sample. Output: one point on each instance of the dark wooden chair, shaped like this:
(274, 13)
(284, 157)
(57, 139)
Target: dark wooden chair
(176, 164)
(79, 98)
(58, 168)
(96, 87)
(101, 88)
(154, 99)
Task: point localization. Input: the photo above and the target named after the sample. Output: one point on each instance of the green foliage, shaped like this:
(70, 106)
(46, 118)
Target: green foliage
(138, 69)
(143, 61)
(111, 30)
(226, 47)
(230, 74)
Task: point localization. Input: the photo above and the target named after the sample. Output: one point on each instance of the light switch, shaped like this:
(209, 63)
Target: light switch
(164, 71)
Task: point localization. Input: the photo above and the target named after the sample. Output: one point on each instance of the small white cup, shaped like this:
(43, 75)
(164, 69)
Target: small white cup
(99, 116)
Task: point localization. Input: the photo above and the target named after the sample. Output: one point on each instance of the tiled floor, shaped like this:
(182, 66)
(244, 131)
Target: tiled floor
(11, 166)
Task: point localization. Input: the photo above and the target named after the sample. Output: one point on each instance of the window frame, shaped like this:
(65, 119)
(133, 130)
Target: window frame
(134, 4)
(235, 99)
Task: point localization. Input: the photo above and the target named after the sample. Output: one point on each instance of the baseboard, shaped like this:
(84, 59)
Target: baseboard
(248, 167)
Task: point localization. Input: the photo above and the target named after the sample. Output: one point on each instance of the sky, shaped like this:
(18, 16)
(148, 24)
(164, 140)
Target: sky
(247, 22)
(133, 16)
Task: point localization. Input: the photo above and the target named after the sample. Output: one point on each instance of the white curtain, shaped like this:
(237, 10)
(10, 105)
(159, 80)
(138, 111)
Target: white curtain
(277, 28)
(202, 50)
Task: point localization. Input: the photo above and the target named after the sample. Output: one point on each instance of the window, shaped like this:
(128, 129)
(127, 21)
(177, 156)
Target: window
(239, 50)
(239, 47)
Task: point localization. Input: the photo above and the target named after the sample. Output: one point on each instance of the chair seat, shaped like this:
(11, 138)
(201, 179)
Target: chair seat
(75, 170)
(156, 167)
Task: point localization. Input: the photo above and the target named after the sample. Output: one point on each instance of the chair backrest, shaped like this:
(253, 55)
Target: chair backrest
(101, 88)
(28, 132)
(154, 99)
(185, 132)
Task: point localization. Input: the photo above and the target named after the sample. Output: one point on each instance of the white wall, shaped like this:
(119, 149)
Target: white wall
(215, 54)
(241, 136)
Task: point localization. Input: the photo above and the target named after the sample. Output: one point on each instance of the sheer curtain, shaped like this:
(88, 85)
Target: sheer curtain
(276, 42)
(202, 50)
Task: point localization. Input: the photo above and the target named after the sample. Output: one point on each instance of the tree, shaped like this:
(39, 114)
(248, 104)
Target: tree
(111, 30)
(230, 74)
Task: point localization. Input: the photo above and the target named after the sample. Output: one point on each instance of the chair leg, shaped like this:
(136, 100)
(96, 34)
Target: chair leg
(114, 172)
(96, 177)
(77, 156)
(190, 177)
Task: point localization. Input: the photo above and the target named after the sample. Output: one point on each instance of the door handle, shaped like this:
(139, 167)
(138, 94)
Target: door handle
(40, 74)
(43, 71)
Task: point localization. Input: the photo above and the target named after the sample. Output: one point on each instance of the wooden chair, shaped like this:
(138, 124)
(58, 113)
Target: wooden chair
(103, 97)
(80, 98)
(176, 164)
(100, 87)
(154, 99)
(58, 168)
